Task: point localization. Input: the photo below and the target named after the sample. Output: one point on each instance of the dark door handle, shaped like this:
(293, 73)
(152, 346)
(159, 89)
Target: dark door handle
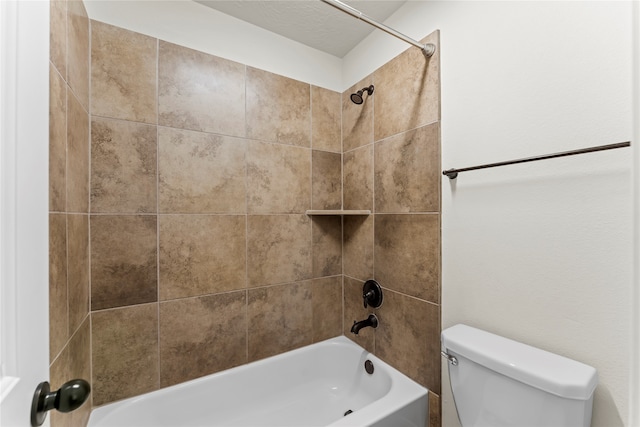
(67, 398)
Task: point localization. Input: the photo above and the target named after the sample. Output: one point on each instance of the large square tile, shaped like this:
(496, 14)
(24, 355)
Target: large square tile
(201, 254)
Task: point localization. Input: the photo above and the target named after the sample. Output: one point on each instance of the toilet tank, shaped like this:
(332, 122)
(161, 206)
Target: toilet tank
(498, 382)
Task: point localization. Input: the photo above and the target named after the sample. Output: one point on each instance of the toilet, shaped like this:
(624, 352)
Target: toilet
(498, 382)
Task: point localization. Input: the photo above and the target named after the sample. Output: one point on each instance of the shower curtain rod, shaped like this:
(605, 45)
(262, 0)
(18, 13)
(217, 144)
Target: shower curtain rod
(427, 49)
(453, 173)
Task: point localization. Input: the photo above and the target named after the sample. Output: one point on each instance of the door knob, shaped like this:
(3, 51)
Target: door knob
(67, 398)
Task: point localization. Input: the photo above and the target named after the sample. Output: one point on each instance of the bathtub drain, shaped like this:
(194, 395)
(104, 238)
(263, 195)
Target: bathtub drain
(348, 412)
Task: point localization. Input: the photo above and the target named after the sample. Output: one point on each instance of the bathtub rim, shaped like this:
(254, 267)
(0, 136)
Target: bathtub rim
(403, 390)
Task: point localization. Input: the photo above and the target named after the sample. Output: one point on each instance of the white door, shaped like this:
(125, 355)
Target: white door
(24, 247)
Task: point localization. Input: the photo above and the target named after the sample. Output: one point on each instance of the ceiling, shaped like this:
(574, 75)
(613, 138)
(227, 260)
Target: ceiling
(310, 22)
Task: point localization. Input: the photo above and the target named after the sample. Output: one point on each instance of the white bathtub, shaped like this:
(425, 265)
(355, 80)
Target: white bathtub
(310, 386)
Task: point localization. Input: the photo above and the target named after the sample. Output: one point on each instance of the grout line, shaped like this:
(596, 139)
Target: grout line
(342, 254)
(90, 258)
(246, 223)
(158, 208)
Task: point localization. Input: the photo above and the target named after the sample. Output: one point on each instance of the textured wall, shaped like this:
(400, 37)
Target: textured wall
(392, 167)
(69, 334)
(201, 172)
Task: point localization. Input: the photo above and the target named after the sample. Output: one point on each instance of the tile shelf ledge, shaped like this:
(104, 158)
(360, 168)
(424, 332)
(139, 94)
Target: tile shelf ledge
(337, 212)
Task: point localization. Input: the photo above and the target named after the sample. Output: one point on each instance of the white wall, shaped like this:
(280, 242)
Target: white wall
(635, 353)
(541, 252)
(194, 25)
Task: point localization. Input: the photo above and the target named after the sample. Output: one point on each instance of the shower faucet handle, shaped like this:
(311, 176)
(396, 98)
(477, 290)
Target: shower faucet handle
(372, 294)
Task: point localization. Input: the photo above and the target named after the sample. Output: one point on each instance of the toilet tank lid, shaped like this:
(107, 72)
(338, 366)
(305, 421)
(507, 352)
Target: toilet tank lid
(537, 368)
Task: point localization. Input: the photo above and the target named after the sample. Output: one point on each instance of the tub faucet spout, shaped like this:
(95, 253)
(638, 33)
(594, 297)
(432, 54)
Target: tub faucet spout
(372, 321)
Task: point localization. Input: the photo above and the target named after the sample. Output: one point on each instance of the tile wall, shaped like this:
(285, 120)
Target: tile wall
(202, 257)
(391, 165)
(69, 325)
(193, 174)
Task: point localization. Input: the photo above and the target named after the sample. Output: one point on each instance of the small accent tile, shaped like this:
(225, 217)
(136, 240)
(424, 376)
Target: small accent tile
(73, 362)
(327, 245)
(358, 178)
(77, 156)
(354, 311)
(78, 51)
(57, 141)
(58, 35)
(326, 180)
(326, 297)
(58, 309)
(78, 268)
(358, 246)
(357, 120)
(326, 119)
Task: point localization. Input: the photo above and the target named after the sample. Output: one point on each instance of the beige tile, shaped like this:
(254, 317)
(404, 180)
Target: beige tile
(201, 173)
(326, 120)
(58, 311)
(57, 141)
(200, 92)
(435, 410)
(407, 254)
(358, 247)
(123, 166)
(200, 336)
(358, 178)
(123, 260)
(123, 74)
(408, 338)
(201, 254)
(407, 172)
(327, 245)
(278, 249)
(278, 178)
(278, 108)
(354, 311)
(78, 269)
(357, 120)
(78, 51)
(326, 297)
(77, 156)
(279, 319)
(407, 91)
(326, 179)
(73, 363)
(58, 35)
(125, 355)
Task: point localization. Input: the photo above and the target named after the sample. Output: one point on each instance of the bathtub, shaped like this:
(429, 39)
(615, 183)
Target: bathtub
(311, 386)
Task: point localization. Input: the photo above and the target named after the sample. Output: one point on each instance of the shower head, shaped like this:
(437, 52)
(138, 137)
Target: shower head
(357, 98)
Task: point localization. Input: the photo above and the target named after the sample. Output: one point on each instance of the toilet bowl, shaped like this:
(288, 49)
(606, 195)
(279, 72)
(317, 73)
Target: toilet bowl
(498, 382)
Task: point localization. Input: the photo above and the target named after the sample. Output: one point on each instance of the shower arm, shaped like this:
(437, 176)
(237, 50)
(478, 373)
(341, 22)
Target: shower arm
(427, 49)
